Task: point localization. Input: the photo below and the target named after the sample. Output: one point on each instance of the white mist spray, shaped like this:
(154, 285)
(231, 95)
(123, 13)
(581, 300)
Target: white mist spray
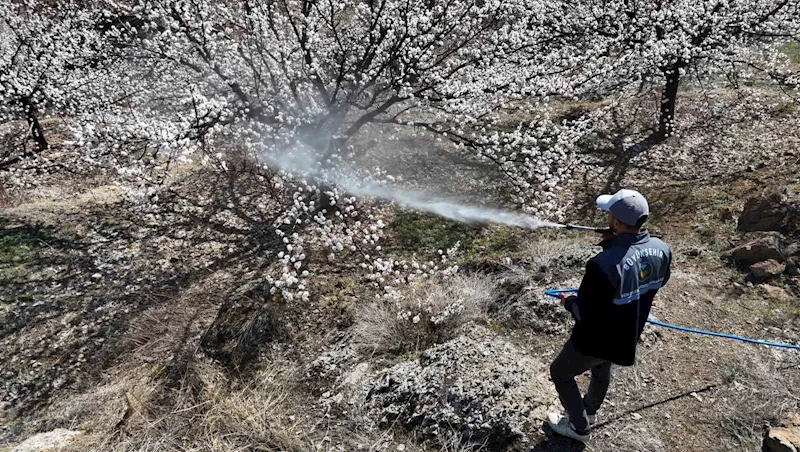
(447, 208)
(303, 161)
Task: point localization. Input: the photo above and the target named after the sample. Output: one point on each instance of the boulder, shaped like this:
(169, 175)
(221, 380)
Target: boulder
(777, 293)
(785, 438)
(769, 269)
(773, 210)
(758, 248)
(477, 386)
(349, 389)
(55, 440)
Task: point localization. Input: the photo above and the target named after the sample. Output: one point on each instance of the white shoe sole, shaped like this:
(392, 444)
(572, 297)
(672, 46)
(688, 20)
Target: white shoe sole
(553, 420)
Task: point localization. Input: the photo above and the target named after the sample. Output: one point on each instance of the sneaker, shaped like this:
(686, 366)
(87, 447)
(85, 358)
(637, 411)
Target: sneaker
(592, 419)
(561, 425)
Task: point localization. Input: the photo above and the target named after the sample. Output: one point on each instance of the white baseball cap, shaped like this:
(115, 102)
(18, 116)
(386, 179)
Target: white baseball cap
(628, 206)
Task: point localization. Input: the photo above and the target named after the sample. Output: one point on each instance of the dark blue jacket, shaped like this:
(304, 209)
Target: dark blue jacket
(616, 294)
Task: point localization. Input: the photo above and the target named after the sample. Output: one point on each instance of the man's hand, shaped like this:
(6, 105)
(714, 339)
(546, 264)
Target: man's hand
(563, 296)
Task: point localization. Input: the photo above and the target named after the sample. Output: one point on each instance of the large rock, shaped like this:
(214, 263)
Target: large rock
(758, 248)
(58, 439)
(785, 438)
(774, 210)
(481, 387)
(769, 269)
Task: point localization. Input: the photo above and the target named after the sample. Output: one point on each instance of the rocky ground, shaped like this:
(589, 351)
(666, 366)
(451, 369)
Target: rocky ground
(120, 334)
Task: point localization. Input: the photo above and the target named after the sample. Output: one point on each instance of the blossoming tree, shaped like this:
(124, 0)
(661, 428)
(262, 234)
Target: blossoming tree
(289, 86)
(623, 46)
(46, 53)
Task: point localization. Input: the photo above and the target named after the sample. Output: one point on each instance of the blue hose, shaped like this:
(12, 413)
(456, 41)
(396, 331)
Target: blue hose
(555, 292)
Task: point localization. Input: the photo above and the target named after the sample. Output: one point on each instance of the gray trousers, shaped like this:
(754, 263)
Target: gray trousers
(569, 364)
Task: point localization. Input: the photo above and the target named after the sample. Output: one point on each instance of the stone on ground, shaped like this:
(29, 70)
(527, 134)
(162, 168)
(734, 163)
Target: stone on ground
(57, 439)
(785, 438)
(777, 293)
(774, 210)
(758, 248)
(769, 269)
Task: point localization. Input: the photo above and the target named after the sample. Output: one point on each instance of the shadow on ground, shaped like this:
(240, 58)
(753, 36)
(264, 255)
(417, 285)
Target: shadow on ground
(556, 443)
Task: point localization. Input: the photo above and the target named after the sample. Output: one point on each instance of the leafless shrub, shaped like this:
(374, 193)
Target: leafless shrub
(427, 314)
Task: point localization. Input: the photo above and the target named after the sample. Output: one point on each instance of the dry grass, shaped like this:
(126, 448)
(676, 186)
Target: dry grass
(545, 252)
(758, 395)
(639, 437)
(550, 261)
(211, 412)
(257, 414)
(429, 313)
(686, 288)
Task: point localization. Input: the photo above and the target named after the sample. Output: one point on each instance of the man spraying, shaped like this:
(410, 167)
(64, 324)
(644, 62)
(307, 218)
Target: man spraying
(610, 310)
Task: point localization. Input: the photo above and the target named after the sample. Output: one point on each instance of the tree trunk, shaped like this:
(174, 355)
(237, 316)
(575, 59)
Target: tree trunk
(666, 125)
(669, 96)
(39, 141)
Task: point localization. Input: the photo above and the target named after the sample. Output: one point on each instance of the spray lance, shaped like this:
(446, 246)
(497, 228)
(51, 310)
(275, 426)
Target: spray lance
(575, 227)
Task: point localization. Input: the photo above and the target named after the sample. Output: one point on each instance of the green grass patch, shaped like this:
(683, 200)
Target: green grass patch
(493, 241)
(425, 234)
(792, 50)
(17, 247)
(342, 291)
(785, 109)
